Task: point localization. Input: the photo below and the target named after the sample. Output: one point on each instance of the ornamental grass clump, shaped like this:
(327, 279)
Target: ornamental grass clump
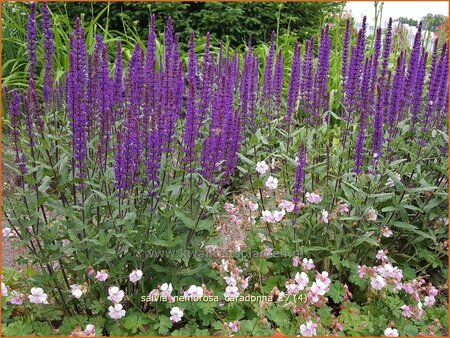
(281, 172)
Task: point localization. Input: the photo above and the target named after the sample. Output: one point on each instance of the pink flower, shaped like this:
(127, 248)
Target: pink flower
(324, 216)
(76, 291)
(38, 296)
(278, 215)
(362, 271)
(302, 280)
(234, 326)
(381, 256)
(272, 183)
(262, 167)
(372, 215)
(230, 281)
(308, 264)
(89, 331)
(286, 205)
(344, 208)
(267, 216)
(166, 290)
(253, 206)
(116, 311)
(135, 276)
(433, 291)
(4, 290)
(176, 314)
(318, 288)
(244, 283)
(308, 330)
(115, 294)
(313, 198)
(295, 261)
(16, 298)
(194, 292)
(377, 282)
(407, 311)
(267, 252)
(101, 275)
(429, 300)
(231, 292)
(323, 277)
(389, 332)
(386, 232)
(292, 289)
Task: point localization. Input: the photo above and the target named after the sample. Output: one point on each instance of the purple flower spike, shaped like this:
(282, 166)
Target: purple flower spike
(76, 97)
(14, 112)
(299, 176)
(49, 51)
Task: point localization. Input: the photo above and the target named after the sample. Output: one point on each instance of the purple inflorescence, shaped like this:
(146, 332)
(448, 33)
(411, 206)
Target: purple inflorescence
(299, 176)
(49, 51)
(76, 97)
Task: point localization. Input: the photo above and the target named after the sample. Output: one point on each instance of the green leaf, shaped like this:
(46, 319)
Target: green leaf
(163, 325)
(337, 292)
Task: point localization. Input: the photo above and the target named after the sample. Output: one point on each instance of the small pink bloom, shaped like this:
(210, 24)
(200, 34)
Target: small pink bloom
(234, 326)
(389, 332)
(286, 205)
(101, 275)
(176, 314)
(295, 261)
(406, 311)
(116, 311)
(313, 198)
(135, 276)
(429, 300)
(308, 264)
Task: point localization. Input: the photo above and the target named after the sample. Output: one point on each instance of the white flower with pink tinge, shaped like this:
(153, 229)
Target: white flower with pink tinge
(406, 311)
(76, 291)
(286, 205)
(176, 314)
(278, 215)
(267, 216)
(4, 290)
(234, 326)
(166, 290)
(308, 264)
(272, 183)
(16, 298)
(381, 256)
(313, 198)
(429, 301)
(262, 167)
(372, 215)
(231, 292)
(386, 232)
(38, 296)
(116, 311)
(301, 279)
(295, 261)
(230, 281)
(292, 289)
(377, 282)
(390, 332)
(194, 291)
(89, 331)
(135, 276)
(115, 294)
(101, 275)
(309, 329)
(324, 216)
